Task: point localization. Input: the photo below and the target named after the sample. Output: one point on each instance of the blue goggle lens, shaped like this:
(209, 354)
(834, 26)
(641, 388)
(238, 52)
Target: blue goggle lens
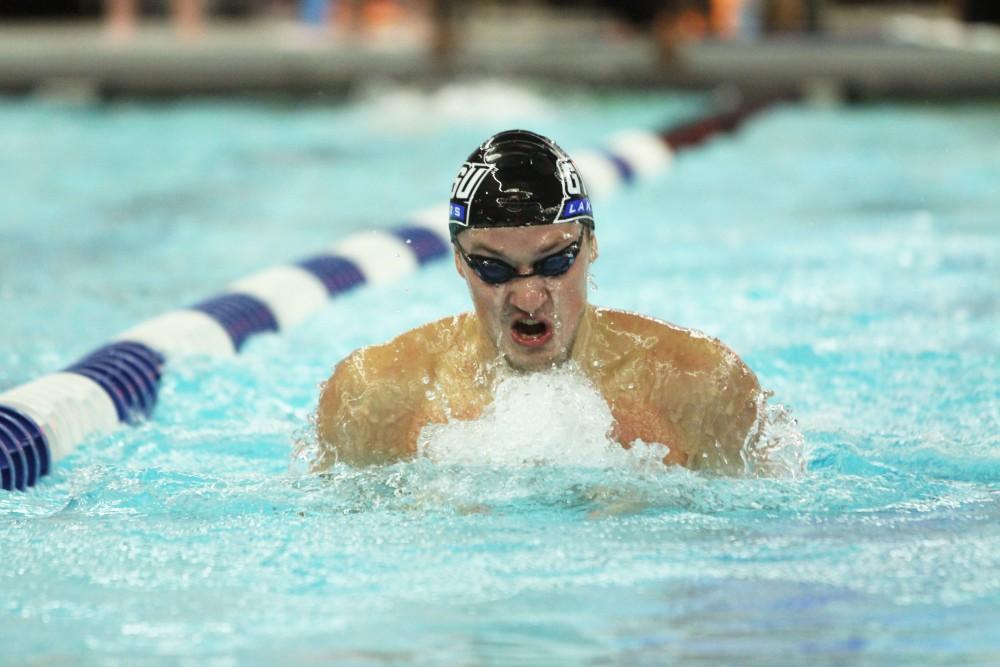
(497, 272)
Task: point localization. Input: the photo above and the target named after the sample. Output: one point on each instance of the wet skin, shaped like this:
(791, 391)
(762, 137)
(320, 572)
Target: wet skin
(663, 383)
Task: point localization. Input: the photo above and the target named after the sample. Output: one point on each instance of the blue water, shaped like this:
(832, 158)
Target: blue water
(849, 255)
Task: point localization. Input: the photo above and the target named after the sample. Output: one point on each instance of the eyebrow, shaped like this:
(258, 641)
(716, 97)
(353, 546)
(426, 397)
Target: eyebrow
(548, 248)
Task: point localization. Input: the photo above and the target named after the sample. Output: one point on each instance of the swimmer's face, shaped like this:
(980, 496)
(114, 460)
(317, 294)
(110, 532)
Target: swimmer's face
(532, 321)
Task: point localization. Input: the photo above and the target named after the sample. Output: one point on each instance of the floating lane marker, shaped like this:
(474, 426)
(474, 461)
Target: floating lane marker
(241, 315)
(182, 333)
(291, 292)
(24, 456)
(43, 421)
(335, 274)
(600, 172)
(644, 153)
(128, 372)
(425, 244)
(381, 256)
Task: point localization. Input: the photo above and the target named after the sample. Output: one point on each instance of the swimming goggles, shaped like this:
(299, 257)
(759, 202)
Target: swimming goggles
(497, 272)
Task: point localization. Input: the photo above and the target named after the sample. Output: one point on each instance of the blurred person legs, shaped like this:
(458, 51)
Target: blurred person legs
(369, 21)
(121, 18)
(347, 16)
(726, 16)
(784, 16)
(747, 18)
(376, 14)
(444, 28)
(670, 22)
(188, 18)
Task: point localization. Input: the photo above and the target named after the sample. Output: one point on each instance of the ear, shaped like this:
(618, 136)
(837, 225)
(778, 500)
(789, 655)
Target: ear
(594, 250)
(459, 263)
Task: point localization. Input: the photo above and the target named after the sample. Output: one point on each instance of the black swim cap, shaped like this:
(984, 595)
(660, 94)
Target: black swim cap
(518, 178)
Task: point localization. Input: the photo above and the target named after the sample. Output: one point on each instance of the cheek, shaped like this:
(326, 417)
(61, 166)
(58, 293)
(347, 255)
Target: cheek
(569, 303)
(569, 300)
(487, 301)
(578, 289)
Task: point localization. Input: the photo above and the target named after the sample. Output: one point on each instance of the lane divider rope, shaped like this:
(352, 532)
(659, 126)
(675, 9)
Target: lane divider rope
(43, 421)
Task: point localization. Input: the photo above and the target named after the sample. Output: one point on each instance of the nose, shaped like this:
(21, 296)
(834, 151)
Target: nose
(528, 294)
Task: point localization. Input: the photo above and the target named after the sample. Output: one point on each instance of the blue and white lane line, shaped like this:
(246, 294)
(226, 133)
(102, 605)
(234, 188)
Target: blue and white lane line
(43, 421)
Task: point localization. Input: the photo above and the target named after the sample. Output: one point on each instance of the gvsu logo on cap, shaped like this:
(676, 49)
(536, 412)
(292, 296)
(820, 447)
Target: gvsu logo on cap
(463, 189)
(469, 177)
(575, 203)
(571, 181)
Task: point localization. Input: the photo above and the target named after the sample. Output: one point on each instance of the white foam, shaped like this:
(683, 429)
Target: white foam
(406, 110)
(778, 450)
(554, 417)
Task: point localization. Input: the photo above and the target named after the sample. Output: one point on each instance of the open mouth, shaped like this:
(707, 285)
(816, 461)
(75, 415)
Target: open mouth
(529, 332)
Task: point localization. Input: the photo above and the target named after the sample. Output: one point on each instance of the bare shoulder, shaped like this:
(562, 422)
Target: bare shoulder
(410, 354)
(686, 350)
(709, 393)
(370, 409)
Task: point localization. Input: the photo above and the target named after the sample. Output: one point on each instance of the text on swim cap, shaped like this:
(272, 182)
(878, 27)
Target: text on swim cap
(574, 208)
(572, 183)
(468, 179)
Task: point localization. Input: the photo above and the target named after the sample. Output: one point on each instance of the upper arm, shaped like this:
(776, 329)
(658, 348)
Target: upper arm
(731, 418)
(337, 426)
(712, 398)
(364, 414)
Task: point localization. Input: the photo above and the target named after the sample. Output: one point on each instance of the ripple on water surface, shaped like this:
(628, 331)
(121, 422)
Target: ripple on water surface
(854, 280)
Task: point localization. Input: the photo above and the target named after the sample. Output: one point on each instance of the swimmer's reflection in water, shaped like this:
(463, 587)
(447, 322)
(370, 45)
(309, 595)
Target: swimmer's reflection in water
(523, 235)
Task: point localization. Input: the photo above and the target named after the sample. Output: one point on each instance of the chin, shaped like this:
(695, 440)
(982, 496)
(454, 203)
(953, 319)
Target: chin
(528, 366)
(533, 362)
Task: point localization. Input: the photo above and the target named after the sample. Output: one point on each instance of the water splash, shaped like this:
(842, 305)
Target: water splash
(558, 417)
(408, 110)
(775, 446)
(554, 417)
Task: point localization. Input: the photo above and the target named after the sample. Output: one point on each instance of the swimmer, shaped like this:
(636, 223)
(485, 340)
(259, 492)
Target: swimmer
(522, 229)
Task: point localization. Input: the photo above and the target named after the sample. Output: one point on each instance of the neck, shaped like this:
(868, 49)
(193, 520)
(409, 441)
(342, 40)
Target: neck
(594, 351)
(583, 343)
(483, 352)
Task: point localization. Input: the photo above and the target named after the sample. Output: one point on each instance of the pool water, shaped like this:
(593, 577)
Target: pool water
(849, 255)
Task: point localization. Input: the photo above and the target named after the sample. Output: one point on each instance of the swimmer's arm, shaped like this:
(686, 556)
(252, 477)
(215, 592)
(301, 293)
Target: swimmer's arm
(730, 419)
(364, 415)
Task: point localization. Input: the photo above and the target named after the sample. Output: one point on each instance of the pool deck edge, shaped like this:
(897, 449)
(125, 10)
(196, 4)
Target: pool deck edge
(273, 59)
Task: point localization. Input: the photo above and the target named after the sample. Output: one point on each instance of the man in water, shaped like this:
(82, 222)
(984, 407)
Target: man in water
(522, 228)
